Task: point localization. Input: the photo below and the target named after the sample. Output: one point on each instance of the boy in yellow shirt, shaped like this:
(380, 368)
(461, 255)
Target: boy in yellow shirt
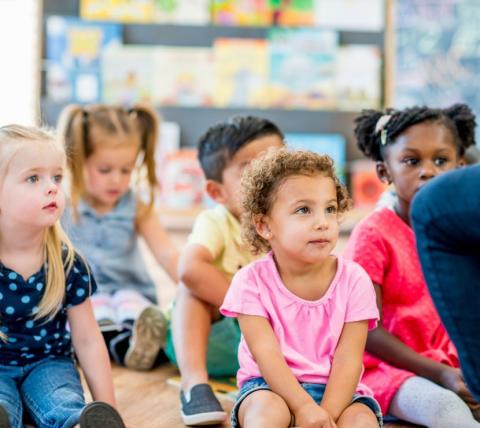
(205, 343)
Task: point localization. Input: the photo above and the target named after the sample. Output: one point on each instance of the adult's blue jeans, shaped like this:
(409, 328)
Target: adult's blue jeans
(446, 218)
(49, 389)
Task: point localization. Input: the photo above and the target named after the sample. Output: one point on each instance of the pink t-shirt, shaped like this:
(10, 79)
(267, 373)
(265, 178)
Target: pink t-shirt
(307, 331)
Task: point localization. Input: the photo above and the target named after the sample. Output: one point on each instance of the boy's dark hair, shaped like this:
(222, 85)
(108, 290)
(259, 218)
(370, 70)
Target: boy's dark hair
(220, 143)
(373, 135)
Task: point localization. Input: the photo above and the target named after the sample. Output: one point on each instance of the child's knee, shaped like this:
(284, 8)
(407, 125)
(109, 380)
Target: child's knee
(264, 409)
(358, 415)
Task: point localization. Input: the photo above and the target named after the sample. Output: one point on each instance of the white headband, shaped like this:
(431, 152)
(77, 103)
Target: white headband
(380, 127)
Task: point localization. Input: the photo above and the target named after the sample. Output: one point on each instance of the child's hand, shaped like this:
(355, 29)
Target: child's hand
(452, 379)
(312, 415)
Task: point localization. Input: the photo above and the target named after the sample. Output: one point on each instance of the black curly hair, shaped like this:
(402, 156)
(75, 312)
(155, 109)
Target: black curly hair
(220, 143)
(458, 119)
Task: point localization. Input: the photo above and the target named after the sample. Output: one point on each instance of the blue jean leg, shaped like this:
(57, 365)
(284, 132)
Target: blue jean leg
(10, 396)
(53, 393)
(446, 219)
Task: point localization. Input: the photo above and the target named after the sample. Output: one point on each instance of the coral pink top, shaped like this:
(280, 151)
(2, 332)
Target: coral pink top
(307, 331)
(384, 245)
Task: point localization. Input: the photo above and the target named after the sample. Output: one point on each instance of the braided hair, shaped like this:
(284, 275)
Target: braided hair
(376, 130)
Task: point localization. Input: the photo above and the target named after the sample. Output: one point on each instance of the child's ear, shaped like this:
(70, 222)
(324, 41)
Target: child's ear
(383, 173)
(215, 190)
(262, 227)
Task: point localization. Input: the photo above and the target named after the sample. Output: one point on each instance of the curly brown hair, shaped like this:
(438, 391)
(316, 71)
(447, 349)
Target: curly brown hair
(261, 181)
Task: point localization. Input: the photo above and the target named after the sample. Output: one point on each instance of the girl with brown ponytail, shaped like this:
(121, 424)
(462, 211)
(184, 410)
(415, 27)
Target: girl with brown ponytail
(111, 158)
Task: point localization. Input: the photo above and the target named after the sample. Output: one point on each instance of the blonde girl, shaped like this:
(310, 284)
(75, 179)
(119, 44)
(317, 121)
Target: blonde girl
(44, 284)
(304, 313)
(107, 147)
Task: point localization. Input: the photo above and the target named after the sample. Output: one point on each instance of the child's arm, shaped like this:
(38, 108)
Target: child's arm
(157, 239)
(91, 352)
(389, 348)
(264, 347)
(200, 276)
(346, 368)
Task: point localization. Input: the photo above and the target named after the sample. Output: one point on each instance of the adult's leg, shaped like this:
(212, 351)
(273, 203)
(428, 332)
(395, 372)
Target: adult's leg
(446, 219)
(423, 402)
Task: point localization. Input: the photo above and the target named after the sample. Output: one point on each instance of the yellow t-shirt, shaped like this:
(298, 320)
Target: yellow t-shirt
(219, 231)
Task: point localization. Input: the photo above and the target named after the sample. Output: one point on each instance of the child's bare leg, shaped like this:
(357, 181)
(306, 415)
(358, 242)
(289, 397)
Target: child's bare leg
(357, 415)
(191, 322)
(264, 409)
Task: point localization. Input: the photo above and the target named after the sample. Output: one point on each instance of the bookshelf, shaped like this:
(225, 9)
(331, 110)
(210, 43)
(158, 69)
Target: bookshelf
(194, 120)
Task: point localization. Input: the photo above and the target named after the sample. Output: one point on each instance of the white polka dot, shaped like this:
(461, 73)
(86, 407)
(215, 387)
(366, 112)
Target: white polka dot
(12, 275)
(85, 278)
(56, 335)
(12, 339)
(31, 280)
(29, 324)
(25, 348)
(43, 332)
(10, 310)
(39, 286)
(25, 299)
(13, 363)
(37, 338)
(35, 309)
(1, 296)
(80, 292)
(12, 286)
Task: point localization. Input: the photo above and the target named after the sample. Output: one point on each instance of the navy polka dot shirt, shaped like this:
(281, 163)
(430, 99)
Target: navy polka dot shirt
(30, 340)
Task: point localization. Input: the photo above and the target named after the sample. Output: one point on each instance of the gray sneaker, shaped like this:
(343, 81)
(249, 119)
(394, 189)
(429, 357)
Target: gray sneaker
(148, 336)
(4, 421)
(201, 407)
(100, 415)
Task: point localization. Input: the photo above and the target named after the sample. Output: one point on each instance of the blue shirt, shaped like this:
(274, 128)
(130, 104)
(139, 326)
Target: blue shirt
(109, 242)
(30, 340)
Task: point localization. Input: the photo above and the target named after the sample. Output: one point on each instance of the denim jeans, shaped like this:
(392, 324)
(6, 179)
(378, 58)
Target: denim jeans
(50, 390)
(315, 390)
(446, 219)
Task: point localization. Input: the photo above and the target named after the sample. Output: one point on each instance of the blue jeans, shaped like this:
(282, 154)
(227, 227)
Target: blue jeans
(315, 390)
(446, 219)
(50, 390)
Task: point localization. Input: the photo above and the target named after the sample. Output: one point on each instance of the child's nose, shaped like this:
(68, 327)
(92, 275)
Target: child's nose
(428, 170)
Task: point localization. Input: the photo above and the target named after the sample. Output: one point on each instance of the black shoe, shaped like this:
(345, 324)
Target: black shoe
(100, 415)
(202, 407)
(4, 421)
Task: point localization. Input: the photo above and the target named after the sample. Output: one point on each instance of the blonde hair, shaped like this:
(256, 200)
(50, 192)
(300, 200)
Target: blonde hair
(261, 181)
(86, 127)
(59, 252)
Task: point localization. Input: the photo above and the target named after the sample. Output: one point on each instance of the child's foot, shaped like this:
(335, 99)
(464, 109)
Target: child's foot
(148, 336)
(4, 421)
(100, 415)
(201, 407)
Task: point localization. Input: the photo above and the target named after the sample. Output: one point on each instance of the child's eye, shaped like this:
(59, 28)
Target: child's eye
(410, 161)
(104, 170)
(58, 178)
(440, 161)
(331, 210)
(126, 171)
(33, 179)
(302, 210)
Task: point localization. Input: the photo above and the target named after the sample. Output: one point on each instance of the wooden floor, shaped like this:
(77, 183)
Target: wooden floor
(147, 401)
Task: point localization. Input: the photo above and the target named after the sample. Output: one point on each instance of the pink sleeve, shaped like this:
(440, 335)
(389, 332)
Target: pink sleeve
(362, 304)
(366, 247)
(243, 296)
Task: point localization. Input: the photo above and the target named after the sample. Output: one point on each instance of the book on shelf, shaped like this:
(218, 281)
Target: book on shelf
(183, 76)
(302, 68)
(350, 15)
(366, 186)
(181, 180)
(140, 11)
(128, 74)
(245, 12)
(185, 12)
(241, 69)
(292, 13)
(333, 145)
(358, 77)
(74, 50)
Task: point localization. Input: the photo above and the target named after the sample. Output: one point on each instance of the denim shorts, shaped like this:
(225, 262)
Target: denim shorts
(315, 390)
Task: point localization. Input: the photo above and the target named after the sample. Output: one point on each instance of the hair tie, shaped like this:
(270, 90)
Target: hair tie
(381, 127)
